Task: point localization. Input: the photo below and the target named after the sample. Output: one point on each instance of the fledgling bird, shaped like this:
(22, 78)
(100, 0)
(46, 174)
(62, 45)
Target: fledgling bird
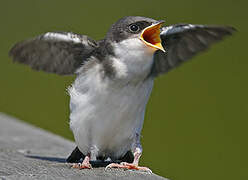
(114, 79)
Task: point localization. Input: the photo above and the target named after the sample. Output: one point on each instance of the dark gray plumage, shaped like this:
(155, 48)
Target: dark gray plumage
(63, 53)
(59, 52)
(182, 41)
(120, 30)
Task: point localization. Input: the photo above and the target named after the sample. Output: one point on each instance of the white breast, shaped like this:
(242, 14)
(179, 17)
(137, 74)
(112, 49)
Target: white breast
(107, 113)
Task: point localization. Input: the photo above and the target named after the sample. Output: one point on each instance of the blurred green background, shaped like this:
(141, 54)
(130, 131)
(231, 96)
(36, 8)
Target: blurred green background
(196, 120)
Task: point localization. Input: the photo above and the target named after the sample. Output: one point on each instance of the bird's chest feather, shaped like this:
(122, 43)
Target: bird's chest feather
(106, 114)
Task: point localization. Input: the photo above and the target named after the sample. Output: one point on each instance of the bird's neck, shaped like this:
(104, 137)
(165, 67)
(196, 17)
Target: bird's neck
(131, 62)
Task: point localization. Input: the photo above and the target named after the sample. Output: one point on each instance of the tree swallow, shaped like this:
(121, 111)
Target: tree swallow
(114, 80)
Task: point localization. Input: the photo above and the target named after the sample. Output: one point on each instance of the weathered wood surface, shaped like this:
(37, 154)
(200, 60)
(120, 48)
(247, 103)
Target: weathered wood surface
(27, 152)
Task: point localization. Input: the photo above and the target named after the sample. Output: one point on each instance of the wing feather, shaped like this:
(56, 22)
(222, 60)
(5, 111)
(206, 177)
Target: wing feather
(55, 52)
(183, 41)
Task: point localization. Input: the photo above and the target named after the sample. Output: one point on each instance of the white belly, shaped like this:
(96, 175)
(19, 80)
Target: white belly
(105, 116)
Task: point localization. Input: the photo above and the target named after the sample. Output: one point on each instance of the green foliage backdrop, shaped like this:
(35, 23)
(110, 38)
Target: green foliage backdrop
(196, 121)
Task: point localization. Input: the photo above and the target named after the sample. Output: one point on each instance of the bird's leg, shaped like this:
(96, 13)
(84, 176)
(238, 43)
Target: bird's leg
(84, 165)
(134, 165)
(137, 151)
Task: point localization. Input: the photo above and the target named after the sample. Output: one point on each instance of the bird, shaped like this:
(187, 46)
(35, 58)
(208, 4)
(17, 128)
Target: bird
(114, 79)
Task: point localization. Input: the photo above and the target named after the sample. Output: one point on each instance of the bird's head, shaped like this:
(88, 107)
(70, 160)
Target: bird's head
(134, 40)
(137, 31)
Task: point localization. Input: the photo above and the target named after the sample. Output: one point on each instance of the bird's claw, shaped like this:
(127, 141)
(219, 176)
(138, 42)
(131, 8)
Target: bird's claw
(82, 165)
(130, 166)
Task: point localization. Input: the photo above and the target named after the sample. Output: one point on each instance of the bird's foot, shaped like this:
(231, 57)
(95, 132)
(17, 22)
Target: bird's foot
(82, 165)
(130, 166)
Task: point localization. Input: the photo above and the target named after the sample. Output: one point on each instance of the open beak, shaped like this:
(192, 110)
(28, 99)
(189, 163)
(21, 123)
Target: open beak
(151, 36)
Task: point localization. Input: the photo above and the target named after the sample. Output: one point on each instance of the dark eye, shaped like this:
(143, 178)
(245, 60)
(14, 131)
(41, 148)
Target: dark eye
(134, 28)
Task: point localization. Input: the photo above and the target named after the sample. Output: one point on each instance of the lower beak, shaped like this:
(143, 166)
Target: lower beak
(151, 36)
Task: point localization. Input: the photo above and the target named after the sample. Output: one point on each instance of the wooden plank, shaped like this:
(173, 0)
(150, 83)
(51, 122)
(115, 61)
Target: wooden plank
(28, 152)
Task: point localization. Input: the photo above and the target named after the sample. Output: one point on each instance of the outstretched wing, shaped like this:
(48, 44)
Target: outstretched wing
(182, 41)
(54, 52)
